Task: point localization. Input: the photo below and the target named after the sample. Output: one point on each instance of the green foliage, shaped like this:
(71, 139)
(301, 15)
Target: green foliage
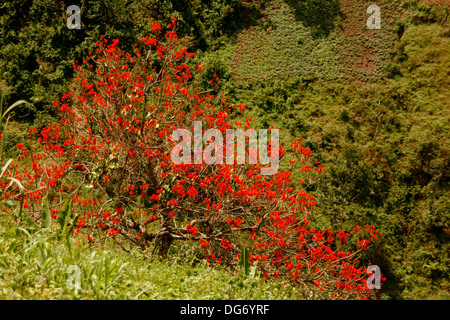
(66, 227)
(63, 215)
(244, 262)
(319, 15)
(210, 23)
(3, 126)
(385, 147)
(5, 115)
(6, 203)
(281, 47)
(34, 267)
(37, 49)
(30, 223)
(383, 139)
(46, 217)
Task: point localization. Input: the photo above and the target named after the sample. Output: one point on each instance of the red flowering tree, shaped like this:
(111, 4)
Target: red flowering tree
(110, 154)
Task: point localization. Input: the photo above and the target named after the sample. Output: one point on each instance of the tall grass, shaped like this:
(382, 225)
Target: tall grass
(35, 266)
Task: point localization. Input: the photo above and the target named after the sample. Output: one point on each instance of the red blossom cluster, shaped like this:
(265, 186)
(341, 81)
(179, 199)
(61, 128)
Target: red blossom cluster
(110, 154)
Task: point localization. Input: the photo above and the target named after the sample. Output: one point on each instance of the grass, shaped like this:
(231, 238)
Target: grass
(33, 266)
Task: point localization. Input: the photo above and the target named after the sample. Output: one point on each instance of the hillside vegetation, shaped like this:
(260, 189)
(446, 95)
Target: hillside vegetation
(372, 105)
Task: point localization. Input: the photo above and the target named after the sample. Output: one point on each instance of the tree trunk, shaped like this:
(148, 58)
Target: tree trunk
(163, 244)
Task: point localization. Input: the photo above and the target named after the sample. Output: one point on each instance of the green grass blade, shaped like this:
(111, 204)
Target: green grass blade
(244, 262)
(63, 217)
(30, 221)
(5, 167)
(2, 141)
(64, 213)
(23, 216)
(46, 218)
(74, 223)
(19, 184)
(15, 104)
(1, 108)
